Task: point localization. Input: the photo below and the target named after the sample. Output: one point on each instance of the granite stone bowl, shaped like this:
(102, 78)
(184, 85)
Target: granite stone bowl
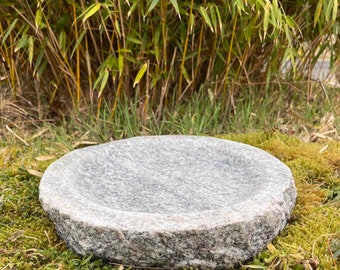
(168, 201)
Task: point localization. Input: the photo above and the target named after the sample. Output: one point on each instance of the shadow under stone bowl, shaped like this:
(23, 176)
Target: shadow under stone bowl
(168, 201)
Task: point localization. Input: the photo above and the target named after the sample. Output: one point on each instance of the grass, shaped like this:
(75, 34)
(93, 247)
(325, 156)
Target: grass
(28, 239)
(311, 238)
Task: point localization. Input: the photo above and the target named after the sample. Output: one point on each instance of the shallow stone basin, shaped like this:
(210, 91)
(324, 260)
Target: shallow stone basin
(168, 201)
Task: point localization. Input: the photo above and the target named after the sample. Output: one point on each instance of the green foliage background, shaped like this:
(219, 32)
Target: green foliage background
(81, 53)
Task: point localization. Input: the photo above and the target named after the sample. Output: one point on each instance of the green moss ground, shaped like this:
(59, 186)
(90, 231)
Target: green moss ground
(311, 240)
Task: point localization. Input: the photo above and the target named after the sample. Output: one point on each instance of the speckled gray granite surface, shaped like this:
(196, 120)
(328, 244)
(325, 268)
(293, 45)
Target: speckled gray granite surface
(168, 201)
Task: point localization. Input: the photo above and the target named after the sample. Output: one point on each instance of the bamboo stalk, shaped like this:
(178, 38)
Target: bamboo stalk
(180, 81)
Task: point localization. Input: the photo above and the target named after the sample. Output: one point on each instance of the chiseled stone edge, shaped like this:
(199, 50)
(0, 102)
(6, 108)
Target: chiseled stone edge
(219, 247)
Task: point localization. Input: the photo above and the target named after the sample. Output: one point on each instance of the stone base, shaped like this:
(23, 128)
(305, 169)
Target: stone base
(169, 201)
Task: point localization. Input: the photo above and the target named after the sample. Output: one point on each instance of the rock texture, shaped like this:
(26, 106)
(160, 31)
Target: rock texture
(168, 201)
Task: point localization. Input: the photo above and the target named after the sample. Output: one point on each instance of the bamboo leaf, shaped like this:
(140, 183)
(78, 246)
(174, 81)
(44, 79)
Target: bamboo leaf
(140, 74)
(276, 13)
(328, 11)
(175, 5)
(213, 17)
(156, 38)
(219, 18)
(9, 31)
(131, 59)
(41, 68)
(191, 22)
(290, 22)
(240, 5)
(79, 40)
(133, 40)
(152, 5)
(30, 49)
(132, 8)
(103, 82)
(120, 64)
(90, 11)
(266, 19)
(335, 10)
(318, 12)
(109, 63)
(39, 59)
(21, 43)
(118, 28)
(185, 75)
(206, 18)
(157, 54)
(38, 18)
(62, 41)
(124, 51)
(156, 35)
(98, 80)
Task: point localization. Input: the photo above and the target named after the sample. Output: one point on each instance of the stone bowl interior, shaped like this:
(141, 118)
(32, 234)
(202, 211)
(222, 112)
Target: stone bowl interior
(166, 182)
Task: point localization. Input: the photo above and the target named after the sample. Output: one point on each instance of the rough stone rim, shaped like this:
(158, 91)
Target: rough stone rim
(140, 222)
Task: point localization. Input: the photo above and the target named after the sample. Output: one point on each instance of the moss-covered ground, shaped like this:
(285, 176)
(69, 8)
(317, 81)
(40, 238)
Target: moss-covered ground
(311, 240)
